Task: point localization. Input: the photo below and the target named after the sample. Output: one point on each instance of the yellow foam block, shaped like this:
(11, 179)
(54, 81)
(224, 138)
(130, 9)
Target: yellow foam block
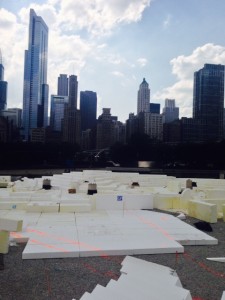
(202, 211)
(219, 203)
(163, 202)
(4, 242)
(176, 202)
(184, 204)
(11, 225)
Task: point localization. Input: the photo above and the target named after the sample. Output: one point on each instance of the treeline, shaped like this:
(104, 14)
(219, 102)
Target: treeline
(139, 148)
(36, 155)
(190, 156)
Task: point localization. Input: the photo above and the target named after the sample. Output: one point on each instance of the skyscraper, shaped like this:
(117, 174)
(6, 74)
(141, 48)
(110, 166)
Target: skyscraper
(143, 99)
(57, 111)
(62, 85)
(35, 93)
(1, 68)
(170, 111)
(104, 129)
(208, 101)
(73, 89)
(88, 109)
(72, 119)
(3, 86)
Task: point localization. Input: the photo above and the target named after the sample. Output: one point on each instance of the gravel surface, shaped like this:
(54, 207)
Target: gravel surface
(69, 278)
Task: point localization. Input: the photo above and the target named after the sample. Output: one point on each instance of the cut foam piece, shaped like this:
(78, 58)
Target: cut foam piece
(130, 264)
(218, 259)
(137, 289)
(11, 225)
(153, 276)
(203, 211)
(146, 274)
(87, 296)
(103, 293)
(4, 241)
(223, 296)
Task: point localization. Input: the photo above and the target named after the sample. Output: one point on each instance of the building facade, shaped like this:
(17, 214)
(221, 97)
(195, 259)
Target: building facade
(88, 109)
(104, 129)
(62, 85)
(153, 126)
(143, 98)
(208, 101)
(3, 86)
(154, 108)
(57, 111)
(170, 111)
(73, 91)
(72, 119)
(35, 91)
(132, 126)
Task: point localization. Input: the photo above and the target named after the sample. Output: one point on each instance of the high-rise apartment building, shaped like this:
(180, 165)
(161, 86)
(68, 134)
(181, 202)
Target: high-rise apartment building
(153, 125)
(170, 111)
(132, 126)
(3, 86)
(35, 92)
(104, 129)
(57, 111)
(143, 98)
(208, 101)
(88, 109)
(62, 85)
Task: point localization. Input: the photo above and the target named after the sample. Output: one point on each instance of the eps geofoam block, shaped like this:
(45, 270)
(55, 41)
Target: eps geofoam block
(10, 224)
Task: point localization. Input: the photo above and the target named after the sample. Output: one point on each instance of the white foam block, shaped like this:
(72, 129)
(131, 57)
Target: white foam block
(111, 233)
(46, 250)
(223, 296)
(218, 259)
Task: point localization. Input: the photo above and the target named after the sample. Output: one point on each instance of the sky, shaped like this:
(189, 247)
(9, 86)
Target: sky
(112, 45)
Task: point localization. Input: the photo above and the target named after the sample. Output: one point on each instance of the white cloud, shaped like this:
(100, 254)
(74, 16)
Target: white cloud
(118, 74)
(142, 61)
(183, 67)
(99, 17)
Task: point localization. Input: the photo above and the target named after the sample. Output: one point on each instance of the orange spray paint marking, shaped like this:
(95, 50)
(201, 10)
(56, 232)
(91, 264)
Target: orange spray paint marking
(204, 266)
(48, 246)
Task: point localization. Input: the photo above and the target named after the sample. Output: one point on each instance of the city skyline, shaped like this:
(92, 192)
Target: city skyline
(123, 42)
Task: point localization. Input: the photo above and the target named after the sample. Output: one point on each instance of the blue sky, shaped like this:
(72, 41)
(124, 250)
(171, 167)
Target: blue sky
(111, 45)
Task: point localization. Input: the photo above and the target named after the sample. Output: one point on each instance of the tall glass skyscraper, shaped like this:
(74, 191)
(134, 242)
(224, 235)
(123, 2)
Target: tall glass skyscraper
(62, 85)
(35, 92)
(3, 86)
(88, 109)
(143, 97)
(208, 101)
